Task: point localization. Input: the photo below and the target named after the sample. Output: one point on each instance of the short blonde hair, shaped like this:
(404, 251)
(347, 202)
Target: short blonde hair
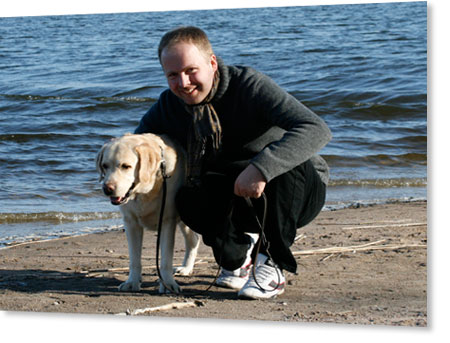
(186, 34)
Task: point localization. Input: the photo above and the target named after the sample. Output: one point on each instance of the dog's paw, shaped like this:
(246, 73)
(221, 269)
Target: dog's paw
(183, 271)
(129, 286)
(172, 287)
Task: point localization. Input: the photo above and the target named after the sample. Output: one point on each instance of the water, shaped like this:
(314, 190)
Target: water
(70, 83)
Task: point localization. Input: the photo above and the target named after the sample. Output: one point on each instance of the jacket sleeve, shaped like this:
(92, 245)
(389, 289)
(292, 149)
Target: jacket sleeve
(305, 132)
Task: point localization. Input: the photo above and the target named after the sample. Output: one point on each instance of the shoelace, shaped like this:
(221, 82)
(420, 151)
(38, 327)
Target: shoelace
(264, 272)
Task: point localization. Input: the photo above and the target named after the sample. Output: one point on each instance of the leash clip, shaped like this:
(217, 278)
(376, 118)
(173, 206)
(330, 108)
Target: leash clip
(163, 166)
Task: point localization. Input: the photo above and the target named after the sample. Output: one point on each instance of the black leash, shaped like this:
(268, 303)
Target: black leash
(262, 225)
(161, 215)
(158, 240)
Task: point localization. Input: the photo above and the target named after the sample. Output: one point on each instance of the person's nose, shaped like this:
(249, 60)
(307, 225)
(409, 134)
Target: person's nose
(183, 80)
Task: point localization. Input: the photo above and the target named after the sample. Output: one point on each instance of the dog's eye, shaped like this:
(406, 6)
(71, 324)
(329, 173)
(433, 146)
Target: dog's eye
(104, 166)
(125, 166)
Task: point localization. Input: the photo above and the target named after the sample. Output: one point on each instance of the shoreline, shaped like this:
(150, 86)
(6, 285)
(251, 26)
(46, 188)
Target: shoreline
(329, 206)
(362, 265)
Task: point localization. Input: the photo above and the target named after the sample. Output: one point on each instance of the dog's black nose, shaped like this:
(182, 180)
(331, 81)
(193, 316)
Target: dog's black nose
(108, 189)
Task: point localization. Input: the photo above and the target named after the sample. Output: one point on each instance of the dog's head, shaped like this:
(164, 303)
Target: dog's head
(128, 165)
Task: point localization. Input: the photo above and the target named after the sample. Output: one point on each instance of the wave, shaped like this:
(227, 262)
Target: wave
(385, 160)
(113, 100)
(380, 183)
(127, 97)
(361, 106)
(31, 97)
(56, 217)
(368, 203)
(27, 137)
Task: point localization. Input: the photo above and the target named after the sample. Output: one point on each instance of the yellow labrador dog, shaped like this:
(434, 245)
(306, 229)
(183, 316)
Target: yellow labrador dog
(130, 168)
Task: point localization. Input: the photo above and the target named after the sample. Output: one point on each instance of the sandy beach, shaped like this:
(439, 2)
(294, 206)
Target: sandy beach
(359, 265)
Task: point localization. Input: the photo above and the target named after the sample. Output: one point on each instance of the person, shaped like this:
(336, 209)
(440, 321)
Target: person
(252, 153)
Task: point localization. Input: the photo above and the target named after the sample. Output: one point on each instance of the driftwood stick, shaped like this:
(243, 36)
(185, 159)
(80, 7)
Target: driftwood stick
(14, 245)
(326, 257)
(371, 222)
(364, 247)
(394, 247)
(383, 226)
(300, 237)
(171, 306)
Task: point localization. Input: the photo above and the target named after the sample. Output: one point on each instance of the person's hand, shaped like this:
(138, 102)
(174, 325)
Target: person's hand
(250, 183)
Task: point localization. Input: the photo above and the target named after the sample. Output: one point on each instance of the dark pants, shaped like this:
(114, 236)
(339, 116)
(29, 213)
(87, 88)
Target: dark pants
(293, 200)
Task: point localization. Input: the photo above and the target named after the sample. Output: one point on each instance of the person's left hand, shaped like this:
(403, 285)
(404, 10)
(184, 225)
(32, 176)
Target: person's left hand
(250, 183)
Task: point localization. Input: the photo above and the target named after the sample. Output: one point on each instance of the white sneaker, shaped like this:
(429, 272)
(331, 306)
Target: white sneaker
(271, 281)
(236, 279)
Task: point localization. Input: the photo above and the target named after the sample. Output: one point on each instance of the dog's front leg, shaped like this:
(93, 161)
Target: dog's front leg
(135, 235)
(167, 241)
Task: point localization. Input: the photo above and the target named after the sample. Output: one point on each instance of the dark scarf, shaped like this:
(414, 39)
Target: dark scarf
(205, 129)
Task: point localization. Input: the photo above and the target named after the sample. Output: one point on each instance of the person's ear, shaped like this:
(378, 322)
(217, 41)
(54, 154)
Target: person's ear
(213, 61)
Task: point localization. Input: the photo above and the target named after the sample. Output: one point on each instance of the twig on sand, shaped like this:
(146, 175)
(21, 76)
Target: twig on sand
(383, 226)
(299, 237)
(354, 248)
(326, 257)
(359, 223)
(14, 245)
(171, 306)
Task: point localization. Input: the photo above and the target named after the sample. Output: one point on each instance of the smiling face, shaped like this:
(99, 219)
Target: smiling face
(189, 71)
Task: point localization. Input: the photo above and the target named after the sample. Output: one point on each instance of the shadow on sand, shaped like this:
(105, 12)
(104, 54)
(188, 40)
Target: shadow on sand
(38, 281)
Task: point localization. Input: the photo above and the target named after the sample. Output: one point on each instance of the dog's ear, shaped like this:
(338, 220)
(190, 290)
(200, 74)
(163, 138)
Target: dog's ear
(98, 162)
(148, 162)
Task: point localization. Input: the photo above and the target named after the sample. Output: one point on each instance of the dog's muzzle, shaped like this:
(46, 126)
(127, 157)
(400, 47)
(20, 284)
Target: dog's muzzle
(117, 200)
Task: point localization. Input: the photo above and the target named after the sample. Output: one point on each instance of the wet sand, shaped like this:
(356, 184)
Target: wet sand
(361, 265)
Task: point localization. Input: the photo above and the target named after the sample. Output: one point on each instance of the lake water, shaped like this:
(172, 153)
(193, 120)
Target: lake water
(70, 83)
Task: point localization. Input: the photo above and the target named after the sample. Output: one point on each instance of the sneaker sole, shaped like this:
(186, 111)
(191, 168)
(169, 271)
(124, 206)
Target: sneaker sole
(254, 297)
(230, 285)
